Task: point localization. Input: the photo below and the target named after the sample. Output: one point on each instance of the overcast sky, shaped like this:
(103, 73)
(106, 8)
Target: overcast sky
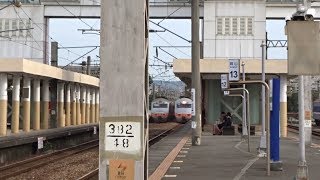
(66, 32)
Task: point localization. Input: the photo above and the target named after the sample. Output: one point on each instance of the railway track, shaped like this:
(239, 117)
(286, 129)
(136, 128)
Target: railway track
(154, 138)
(20, 167)
(314, 132)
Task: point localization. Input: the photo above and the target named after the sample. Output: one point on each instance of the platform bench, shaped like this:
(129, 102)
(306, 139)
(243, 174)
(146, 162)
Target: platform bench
(228, 130)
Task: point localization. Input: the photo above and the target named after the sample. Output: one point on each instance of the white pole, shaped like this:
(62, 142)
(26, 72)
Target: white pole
(302, 172)
(244, 104)
(262, 145)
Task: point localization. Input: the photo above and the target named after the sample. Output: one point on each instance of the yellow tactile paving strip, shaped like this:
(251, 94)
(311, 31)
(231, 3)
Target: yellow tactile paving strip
(166, 163)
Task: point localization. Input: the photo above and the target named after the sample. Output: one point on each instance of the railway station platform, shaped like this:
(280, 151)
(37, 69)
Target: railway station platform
(227, 157)
(23, 145)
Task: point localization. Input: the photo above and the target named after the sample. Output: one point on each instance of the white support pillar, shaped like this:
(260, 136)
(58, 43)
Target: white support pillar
(3, 103)
(26, 103)
(67, 119)
(93, 106)
(60, 102)
(78, 107)
(15, 104)
(88, 116)
(283, 105)
(97, 105)
(36, 105)
(83, 104)
(73, 105)
(45, 104)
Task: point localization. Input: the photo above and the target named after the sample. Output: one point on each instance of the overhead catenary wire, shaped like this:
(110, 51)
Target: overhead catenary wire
(25, 25)
(172, 45)
(73, 14)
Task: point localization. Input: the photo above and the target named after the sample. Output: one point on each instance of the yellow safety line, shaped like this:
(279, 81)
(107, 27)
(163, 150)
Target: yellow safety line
(166, 163)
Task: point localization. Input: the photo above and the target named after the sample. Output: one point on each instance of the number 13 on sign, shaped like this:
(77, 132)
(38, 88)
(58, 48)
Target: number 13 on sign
(234, 69)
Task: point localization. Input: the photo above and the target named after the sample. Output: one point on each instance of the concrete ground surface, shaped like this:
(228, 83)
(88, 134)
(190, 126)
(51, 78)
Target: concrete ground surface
(226, 157)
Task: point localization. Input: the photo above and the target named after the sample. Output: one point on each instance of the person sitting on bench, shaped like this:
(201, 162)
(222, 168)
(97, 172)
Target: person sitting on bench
(226, 122)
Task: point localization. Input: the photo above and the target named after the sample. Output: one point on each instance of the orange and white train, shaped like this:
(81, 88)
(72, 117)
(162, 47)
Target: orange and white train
(160, 109)
(163, 110)
(183, 110)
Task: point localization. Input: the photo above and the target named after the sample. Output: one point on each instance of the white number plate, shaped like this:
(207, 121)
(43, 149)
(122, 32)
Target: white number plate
(123, 136)
(224, 81)
(307, 123)
(234, 69)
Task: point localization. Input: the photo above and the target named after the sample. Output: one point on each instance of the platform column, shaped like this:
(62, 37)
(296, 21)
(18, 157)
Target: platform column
(36, 105)
(3, 103)
(88, 116)
(283, 105)
(45, 104)
(15, 104)
(60, 101)
(67, 119)
(276, 164)
(83, 104)
(73, 105)
(26, 104)
(78, 108)
(93, 106)
(97, 105)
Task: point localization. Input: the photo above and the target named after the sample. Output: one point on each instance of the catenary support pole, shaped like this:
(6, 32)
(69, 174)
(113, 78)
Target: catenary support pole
(124, 41)
(302, 171)
(196, 79)
(308, 110)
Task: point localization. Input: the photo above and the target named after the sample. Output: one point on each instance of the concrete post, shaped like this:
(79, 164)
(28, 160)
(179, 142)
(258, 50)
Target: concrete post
(93, 106)
(308, 110)
(78, 107)
(124, 52)
(283, 105)
(83, 104)
(60, 102)
(45, 105)
(89, 65)
(73, 105)
(67, 117)
(3, 103)
(97, 106)
(15, 104)
(196, 78)
(302, 171)
(36, 105)
(54, 54)
(26, 104)
(88, 116)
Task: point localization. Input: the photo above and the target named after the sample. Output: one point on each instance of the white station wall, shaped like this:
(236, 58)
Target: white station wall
(234, 29)
(28, 44)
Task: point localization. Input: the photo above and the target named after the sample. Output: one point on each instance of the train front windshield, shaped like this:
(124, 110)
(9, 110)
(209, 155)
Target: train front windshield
(160, 105)
(183, 105)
